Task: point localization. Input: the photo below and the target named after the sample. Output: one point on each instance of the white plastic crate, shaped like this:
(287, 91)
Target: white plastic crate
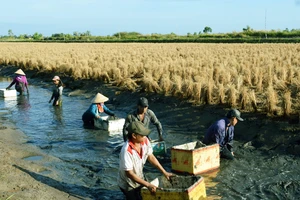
(111, 125)
(8, 93)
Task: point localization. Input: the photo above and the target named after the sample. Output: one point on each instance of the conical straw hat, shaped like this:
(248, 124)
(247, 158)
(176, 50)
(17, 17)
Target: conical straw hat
(99, 98)
(20, 72)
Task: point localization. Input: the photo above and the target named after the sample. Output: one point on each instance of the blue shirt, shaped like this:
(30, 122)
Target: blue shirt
(220, 132)
(92, 112)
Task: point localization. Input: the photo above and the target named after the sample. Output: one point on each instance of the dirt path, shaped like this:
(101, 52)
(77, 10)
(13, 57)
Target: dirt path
(20, 178)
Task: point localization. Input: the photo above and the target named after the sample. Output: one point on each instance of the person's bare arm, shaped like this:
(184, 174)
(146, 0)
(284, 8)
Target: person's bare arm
(26, 86)
(11, 84)
(130, 174)
(157, 123)
(152, 159)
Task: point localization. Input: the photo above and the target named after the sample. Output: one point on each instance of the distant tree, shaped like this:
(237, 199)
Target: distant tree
(27, 36)
(10, 33)
(207, 29)
(199, 33)
(68, 36)
(247, 29)
(75, 33)
(60, 35)
(22, 36)
(37, 36)
(188, 35)
(195, 33)
(119, 34)
(127, 35)
(88, 33)
(171, 35)
(155, 35)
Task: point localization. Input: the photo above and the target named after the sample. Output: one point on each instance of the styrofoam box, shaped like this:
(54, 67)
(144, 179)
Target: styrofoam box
(178, 188)
(8, 93)
(188, 158)
(109, 125)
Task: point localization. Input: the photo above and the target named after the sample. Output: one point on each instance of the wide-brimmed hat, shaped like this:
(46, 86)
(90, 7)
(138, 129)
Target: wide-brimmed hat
(56, 78)
(20, 72)
(234, 113)
(143, 102)
(99, 98)
(138, 128)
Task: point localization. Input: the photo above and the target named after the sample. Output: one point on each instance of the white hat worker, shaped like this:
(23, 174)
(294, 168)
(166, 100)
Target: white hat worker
(56, 78)
(99, 98)
(20, 72)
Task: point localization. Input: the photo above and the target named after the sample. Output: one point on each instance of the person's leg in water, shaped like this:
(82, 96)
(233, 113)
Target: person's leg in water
(87, 121)
(19, 89)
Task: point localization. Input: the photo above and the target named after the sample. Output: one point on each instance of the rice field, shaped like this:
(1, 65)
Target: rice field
(251, 77)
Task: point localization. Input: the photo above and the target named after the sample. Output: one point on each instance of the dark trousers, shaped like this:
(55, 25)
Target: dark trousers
(20, 88)
(134, 194)
(225, 153)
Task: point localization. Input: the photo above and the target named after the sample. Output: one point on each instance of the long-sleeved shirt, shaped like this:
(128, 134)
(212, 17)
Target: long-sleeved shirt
(19, 79)
(220, 133)
(57, 94)
(149, 117)
(92, 112)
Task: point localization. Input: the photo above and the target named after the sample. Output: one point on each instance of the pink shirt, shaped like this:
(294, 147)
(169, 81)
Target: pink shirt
(20, 79)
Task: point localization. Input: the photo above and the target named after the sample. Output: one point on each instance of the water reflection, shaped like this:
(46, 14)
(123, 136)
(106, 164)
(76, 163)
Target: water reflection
(23, 106)
(57, 115)
(23, 103)
(9, 102)
(210, 184)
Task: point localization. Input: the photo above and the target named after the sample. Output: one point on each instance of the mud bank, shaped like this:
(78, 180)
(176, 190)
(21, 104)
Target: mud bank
(21, 178)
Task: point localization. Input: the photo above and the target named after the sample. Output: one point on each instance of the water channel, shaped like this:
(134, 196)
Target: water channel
(87, 159)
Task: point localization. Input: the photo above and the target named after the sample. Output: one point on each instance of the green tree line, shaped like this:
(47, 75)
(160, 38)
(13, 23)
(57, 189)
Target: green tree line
(246, 35)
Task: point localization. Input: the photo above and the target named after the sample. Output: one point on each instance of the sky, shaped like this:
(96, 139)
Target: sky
(102, 18)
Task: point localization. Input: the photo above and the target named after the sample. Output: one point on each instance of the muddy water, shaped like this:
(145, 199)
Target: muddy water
(87, 163)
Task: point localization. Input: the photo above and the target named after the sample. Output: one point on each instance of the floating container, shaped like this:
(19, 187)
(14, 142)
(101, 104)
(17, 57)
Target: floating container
(159, 147)
(194, 158)
(109, 124)
(8, 93)
(178, 188)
